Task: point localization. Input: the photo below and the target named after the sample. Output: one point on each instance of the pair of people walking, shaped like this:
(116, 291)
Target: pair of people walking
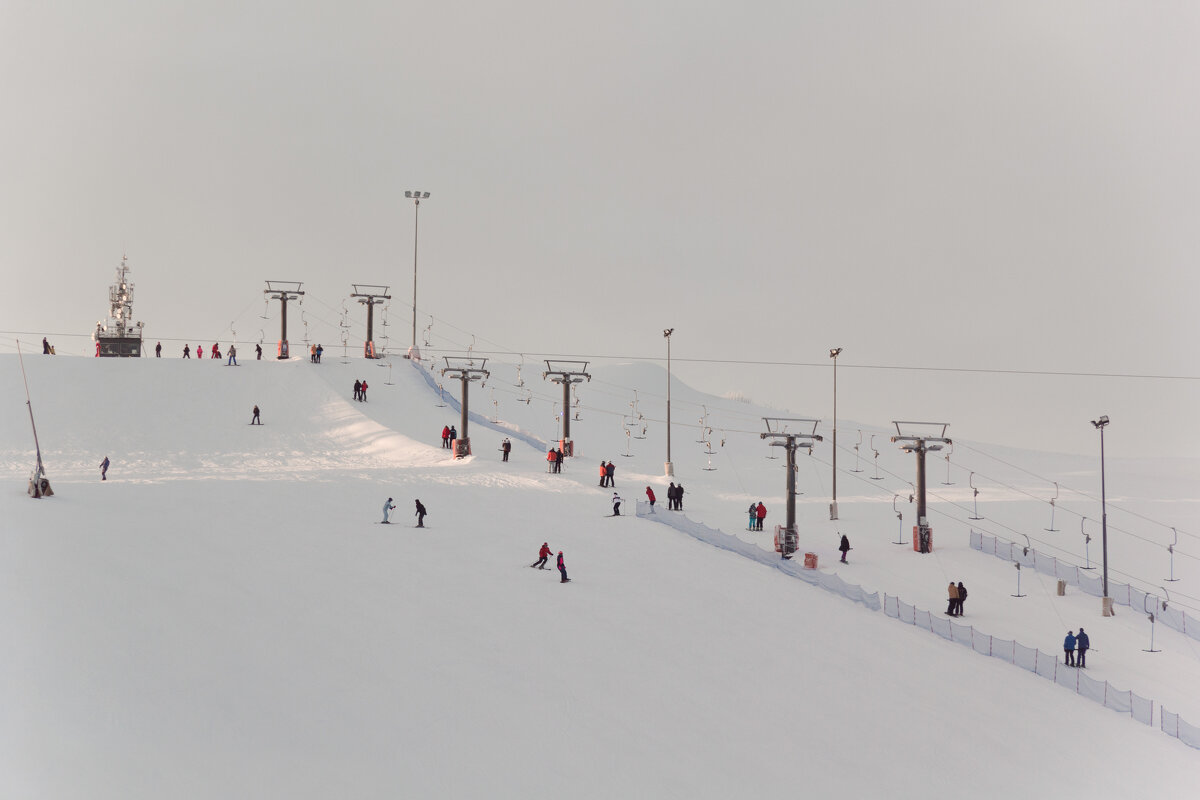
(1073, 645)
(958, 596)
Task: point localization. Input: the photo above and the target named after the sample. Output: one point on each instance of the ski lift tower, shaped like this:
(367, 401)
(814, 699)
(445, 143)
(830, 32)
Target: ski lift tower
(370, 296)
(119, 336)
(283, 291)
(786, 538)
(568, 373)
(465, 370)
(915, 437)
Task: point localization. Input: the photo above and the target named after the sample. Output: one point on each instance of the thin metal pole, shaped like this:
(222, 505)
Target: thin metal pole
(833, 509)
(668, 399)
(416, 227)
(1103, 513)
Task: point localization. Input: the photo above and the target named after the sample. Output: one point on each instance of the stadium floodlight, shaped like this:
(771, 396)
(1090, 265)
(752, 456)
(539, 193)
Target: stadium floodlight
(1105, 601)
(416, 196)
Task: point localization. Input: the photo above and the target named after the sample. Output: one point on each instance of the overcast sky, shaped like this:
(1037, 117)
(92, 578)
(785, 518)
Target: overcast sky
(1003, 186)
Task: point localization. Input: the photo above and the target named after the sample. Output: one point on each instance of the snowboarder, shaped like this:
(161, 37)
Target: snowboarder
(609, 470)
(650, 497)
(420, 515)
(158, 350)
(845, 548)
(1069, 649)
(232, 356)
(760, 514)
(562, 568)
(1082, 643)
(616, 501)
(445, 437)
(258, 351)
(603, 474)
(543, 554)
(386, 508)
(104, 469)
(505, 448)
(254, 420)
(679, 497)
(962, 598)
(362, 395)
(952, 608)
(357, 390)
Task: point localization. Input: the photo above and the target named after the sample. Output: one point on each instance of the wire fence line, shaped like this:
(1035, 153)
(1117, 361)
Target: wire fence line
(1075, 575)
(1044, 665)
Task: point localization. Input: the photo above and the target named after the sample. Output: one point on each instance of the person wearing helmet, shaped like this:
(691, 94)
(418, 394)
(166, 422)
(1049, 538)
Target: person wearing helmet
(386, 508)
(543, 554)
(562, 568)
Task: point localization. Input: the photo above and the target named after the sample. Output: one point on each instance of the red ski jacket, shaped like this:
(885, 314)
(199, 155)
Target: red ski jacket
(761, 513)
(544, 552)
(650, 494)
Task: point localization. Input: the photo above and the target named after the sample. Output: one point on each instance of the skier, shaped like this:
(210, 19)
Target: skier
(216, 352)
(255, 420)
(258, 351)
(158, 350)
(962, 598)
(420, 515)
(679, 497)
(104, 469)
(232, 356)
(357, 390)
(543, 554)
(616, 501)
(952, 609)
(386, 508)
(445, 437)
(845, 548)
(1082, 643)
(1069, 649)
(650, 497)
(562, 568)
(609, 470)
(362, 395)
(505, 448)
(753, 511)
(603, 474)
(760, 514)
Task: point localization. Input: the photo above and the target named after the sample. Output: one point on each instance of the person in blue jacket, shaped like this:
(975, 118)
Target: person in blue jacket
(386, 508)
(1069, 649)
(1081, 644)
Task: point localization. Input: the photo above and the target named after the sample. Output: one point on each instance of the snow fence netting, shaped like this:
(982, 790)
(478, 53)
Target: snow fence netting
(1174, 725)
(795, 567)
(1090, 583)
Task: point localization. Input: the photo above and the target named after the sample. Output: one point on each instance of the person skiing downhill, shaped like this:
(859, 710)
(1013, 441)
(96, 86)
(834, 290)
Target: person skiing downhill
(845, 548)
(562, 568)
(543, 554)
(386, 508)
(616, 501)
(420, 515)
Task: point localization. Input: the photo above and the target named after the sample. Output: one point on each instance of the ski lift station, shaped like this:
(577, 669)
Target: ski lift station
(119, 336)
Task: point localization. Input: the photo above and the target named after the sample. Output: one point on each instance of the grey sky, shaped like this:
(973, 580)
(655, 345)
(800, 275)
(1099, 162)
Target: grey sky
(1009, 186)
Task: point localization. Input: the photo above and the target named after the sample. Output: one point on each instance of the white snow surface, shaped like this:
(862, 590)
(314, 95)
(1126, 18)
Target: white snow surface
(225, 617)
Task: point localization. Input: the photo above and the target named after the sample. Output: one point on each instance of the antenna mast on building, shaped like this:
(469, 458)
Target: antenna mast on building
(119, 336)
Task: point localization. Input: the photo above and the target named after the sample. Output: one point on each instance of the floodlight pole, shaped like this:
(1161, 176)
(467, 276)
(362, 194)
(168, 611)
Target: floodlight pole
(920, 445)
(566, 377)
(466, 375)
(669, 467)
(416, 196)
(833, 509)
(283, 295)
(1105, 601)
(370, 300)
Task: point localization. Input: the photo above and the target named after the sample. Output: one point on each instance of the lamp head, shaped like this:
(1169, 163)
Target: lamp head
(834, 352)
(1100, 423)
(667, 332)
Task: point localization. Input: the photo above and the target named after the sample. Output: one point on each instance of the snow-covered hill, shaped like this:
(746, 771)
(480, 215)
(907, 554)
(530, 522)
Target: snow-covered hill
(224, 617)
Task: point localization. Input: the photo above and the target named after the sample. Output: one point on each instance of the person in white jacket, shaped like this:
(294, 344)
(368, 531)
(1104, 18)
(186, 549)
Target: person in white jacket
(616, 501)
(386, 508)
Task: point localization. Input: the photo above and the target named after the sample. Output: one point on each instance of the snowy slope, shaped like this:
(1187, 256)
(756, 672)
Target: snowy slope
(224, 617)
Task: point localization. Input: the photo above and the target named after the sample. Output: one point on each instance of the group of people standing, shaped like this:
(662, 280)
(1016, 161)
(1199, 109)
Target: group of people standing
(448, 437)
(606, 474)
(360, 391)
(675, 497)
(419, 514)
(1076, 644)
(757, 512)
(554, 459)
(544, 554)
(958, 596)
(314, 353)
(216, 352)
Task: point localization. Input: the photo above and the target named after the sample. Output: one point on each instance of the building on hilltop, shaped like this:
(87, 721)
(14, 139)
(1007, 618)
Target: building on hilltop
(119, 336)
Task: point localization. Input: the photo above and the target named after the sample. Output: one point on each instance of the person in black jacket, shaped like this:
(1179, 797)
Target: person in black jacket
(845, 548)
(609, 470)
(1081, 645)
(506, 448)
(679, 497)
(962, 598)
(420, 515)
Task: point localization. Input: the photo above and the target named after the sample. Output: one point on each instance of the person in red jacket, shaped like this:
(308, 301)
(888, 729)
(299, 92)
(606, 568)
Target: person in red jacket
(446, 437)
(603, 474)
(216, 353)
(650, 497)
(543, 554)
(759, 516)
(562, 568)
